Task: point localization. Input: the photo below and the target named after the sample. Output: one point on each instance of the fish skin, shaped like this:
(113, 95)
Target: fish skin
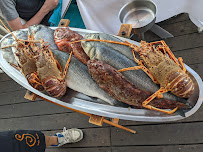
(79, 79)
(9, 40)
(102, 52)
(125, 50)
(40, 31)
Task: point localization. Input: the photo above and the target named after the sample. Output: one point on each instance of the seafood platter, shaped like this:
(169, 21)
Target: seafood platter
(102, 74)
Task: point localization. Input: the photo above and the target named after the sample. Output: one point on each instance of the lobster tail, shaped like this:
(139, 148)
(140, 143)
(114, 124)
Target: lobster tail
(34, 81)
(55, 87)
(181, 85)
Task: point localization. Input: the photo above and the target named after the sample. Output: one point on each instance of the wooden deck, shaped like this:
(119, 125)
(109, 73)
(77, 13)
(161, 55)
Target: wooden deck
(183, 136)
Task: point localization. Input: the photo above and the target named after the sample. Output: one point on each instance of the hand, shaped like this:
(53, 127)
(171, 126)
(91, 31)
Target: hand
(49, 5)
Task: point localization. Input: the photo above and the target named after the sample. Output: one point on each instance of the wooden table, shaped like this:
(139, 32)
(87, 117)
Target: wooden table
(184, 136)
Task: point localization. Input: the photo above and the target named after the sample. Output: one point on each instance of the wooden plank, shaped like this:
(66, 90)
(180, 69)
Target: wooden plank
(165, 134)
(191, 56)
(181, 28)
(198, 68)
(13, 97)
(182, 42)
(92, 137)
(99, 149)
(9, 86)
(177, 29)
(64, 23)
(97, 120)
(30, 95)
(177, 18)
(185, 41)
(47, 122)
(31, 109)
(4, 77)
(171, 148)
(125, 30)
(115, 120)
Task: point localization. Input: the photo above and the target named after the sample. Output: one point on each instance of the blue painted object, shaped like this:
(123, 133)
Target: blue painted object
(73, 14)
(56, 16)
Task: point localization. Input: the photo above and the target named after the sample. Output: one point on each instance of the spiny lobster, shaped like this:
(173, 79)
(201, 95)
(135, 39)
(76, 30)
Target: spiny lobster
(50, 72)
(38, 65)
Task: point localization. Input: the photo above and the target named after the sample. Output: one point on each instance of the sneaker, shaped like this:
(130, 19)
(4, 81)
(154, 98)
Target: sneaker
(69, 136)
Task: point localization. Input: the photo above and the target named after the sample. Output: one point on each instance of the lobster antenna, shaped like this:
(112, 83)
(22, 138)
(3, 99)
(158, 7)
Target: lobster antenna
(8, 30)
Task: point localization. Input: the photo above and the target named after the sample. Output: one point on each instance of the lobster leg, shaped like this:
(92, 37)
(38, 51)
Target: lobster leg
(35, 82)
(108, 41)
(141, 66)
(67, 65)
(160, 91)
(58, 65)
(180, 59)
(8, 46)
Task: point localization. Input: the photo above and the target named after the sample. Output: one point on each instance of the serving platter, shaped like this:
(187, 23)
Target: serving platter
(81, 102)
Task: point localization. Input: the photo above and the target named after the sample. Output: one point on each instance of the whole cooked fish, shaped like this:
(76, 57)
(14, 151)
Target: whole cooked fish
(9, 40)
(109, 55)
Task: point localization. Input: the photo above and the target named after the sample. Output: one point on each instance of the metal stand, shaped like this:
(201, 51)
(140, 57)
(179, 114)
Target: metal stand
(159, 31)
(162, 33)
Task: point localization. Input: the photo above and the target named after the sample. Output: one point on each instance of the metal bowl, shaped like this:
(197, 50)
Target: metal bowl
(141, 14)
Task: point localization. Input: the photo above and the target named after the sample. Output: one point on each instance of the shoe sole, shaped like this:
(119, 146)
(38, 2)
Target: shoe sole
(81, 134)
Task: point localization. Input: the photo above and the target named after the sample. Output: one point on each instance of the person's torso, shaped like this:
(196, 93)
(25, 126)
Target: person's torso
(28, 8)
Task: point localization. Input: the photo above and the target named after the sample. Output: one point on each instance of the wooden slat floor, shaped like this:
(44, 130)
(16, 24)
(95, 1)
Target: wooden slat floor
(182, 136)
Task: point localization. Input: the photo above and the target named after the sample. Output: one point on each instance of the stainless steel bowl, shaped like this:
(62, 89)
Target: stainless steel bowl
(141, 14)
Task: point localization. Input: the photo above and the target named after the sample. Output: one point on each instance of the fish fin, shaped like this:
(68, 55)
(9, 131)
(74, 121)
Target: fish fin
(181, 112)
